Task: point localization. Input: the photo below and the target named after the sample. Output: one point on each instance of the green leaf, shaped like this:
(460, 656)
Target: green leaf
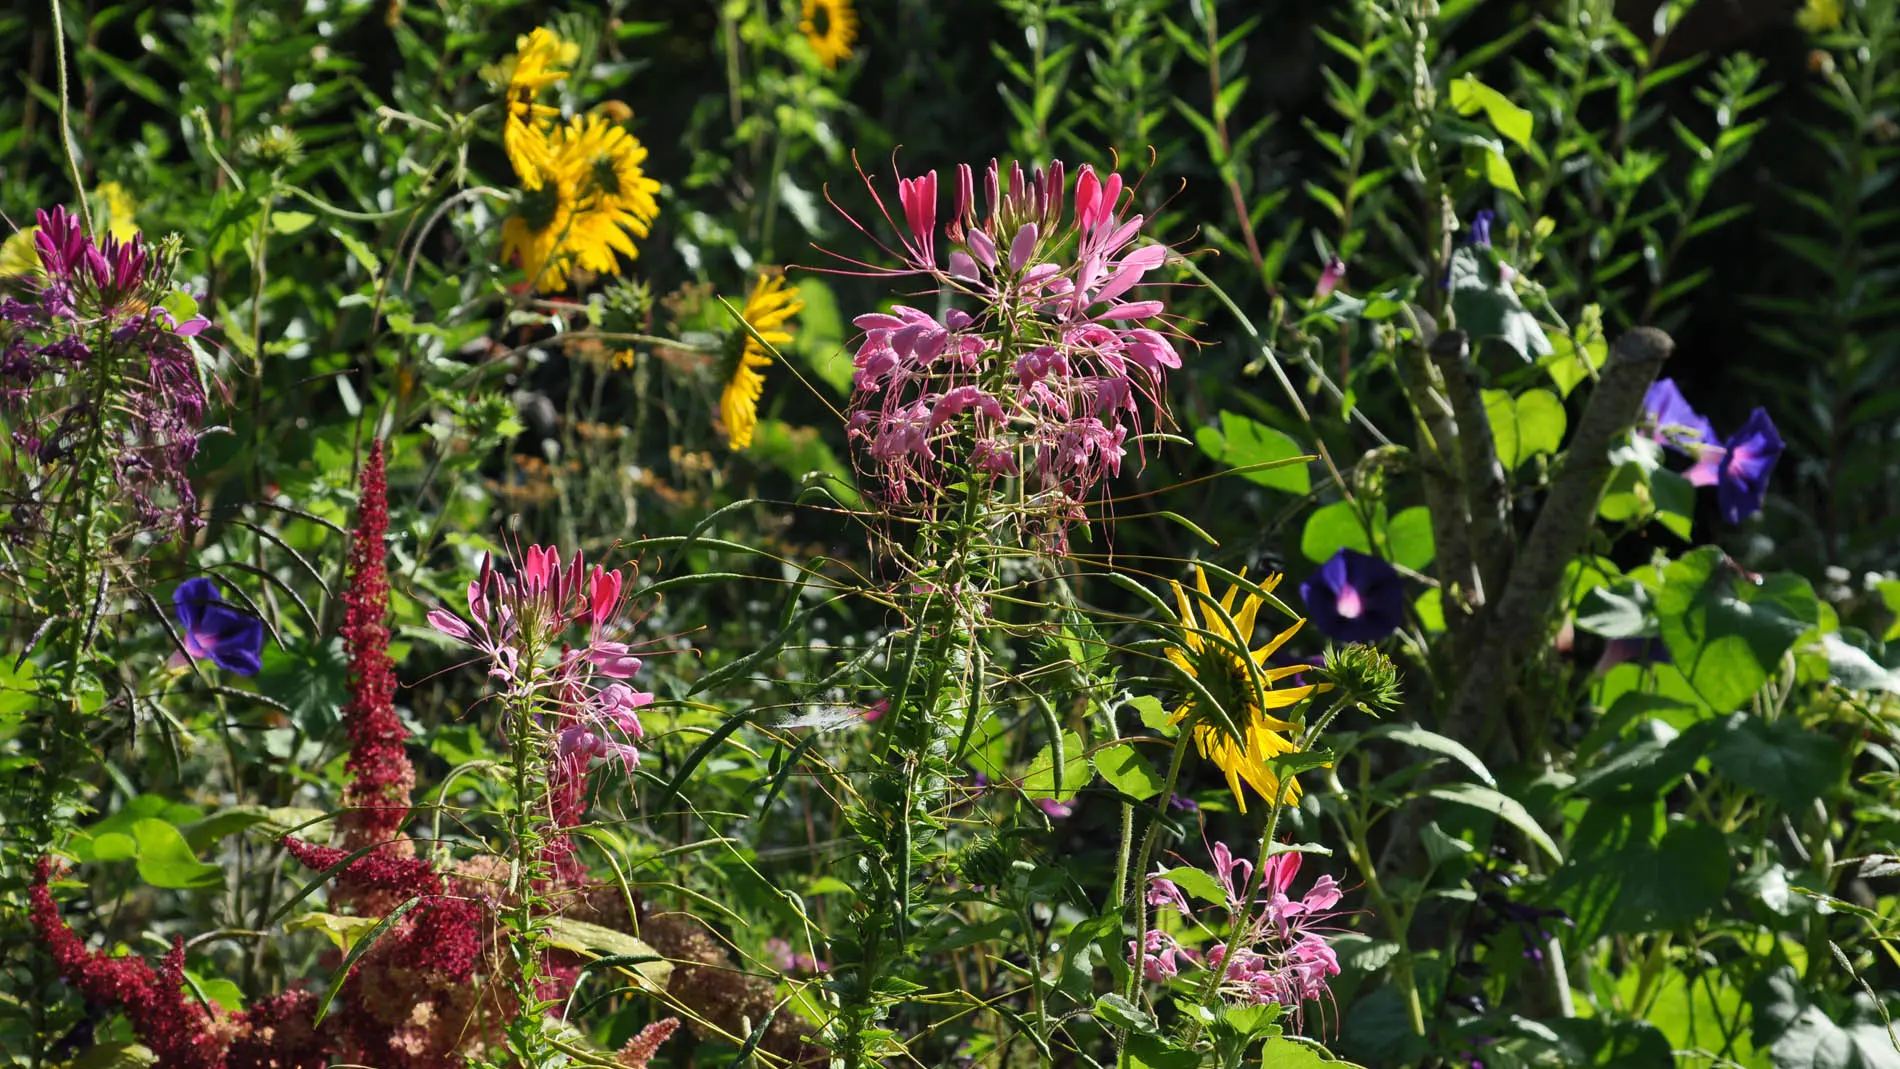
(1620, 610)
(1152, 1052)
(610, 948)
(1330, 528)
(1487, 307)
(1568, 365)
(1441, 847)
(1292, 764)
(1802, 1035)
(360, 250)
(290, 222)
(342, 931)
(1279, 1052)
(820, 338)
(1121, 1013)
(166, 860)
(180, 304)
(115, 1055)
(1241, 442)
(1854, 668)
(1469, 96)
(1523, 427)
(1779, 758)
(1409, 538)
(362, 946)
(1197, 883)
(1726, 636)
(1413, 735)
(1124, 767)
(278, 819)
(114, 846)
(1040, 781)
(1500, 805)
(1674, 499)
(1154, 716)
(1890, 597)
(221, 992)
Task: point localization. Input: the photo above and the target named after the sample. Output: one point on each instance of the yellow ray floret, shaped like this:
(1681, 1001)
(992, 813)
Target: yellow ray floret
(1211, 651)
(772, 303)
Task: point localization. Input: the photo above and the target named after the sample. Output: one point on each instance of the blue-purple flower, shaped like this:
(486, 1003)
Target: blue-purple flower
(1355, 598)
(232, 639)
(1669, 420)
(1748, 458)
(1738, 468)
(1481, 229)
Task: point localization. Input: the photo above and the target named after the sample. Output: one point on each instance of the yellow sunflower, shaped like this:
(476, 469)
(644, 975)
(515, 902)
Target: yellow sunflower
(534, 66)
(771, 304)
(1211, 655)
(115, 210)
(614, 197)
(832, 28)
(537, 235)
(590, 200)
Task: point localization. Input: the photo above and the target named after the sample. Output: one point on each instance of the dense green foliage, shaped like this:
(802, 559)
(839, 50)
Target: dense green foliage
(1585, 754)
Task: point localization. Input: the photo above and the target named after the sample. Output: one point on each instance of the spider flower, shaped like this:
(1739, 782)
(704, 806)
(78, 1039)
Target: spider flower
(1282, 955)
(1244, 742)
(766, 311)
(1355, 598)
(521, 624)
(212, 628)
(1041, 367)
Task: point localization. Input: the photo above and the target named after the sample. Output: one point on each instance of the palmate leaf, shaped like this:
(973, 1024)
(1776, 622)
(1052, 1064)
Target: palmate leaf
(1487, 307)
(1728, 635)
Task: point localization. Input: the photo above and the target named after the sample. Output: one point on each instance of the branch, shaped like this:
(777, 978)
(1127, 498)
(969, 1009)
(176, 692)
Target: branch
(1484, 477)
(1517, 626)
(1436, 431)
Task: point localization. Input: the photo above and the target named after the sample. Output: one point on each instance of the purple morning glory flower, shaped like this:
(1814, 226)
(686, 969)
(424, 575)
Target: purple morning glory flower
(1355, 598)
(1481, 229)
(214, 629)
(1743, 466)
(1669, 420)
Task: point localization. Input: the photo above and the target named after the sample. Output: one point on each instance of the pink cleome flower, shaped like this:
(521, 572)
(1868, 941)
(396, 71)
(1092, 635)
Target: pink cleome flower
(1041, 368)
(1282, 956)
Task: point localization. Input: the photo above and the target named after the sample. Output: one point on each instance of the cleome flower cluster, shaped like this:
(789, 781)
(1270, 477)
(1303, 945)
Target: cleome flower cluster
(97, 379)
(1040, 367)
(1281, 955)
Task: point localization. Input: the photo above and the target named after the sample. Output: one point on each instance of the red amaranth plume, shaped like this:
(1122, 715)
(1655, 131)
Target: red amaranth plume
(377, 795)
(275, 1034)
(405, 876)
